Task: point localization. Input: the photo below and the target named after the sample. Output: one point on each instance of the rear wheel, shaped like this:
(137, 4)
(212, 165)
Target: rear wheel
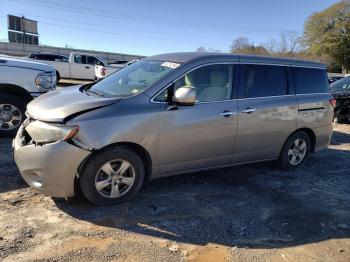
(112, 176)
(295, 151)
(12, 114)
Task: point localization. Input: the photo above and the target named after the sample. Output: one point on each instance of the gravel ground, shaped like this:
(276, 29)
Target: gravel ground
(247, 213)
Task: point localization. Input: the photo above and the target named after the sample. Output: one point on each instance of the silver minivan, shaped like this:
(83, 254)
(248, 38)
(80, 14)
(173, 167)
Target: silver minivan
(172, 114)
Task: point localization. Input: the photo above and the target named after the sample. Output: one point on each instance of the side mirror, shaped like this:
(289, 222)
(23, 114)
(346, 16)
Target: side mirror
(185, 96)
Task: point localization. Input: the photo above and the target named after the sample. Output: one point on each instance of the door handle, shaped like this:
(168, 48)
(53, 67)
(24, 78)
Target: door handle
(87, 67)
(248, 110)
(227, 113)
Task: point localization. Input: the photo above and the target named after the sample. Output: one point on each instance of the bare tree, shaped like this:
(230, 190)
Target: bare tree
(289, 43)
(201, 49)
(271, 46)
(239, 43)
(210, 50)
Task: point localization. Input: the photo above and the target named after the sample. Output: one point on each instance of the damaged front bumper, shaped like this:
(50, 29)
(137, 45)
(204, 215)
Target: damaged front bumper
(50, 168)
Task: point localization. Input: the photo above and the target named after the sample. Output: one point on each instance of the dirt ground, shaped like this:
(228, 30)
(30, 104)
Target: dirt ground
(246, 213)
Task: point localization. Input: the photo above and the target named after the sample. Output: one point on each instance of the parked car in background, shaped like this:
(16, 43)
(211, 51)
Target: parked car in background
(332, 79)
(103, 71)
(50, 57)
(78, 65)
(21, 81)
(171, 114)
(341, 92)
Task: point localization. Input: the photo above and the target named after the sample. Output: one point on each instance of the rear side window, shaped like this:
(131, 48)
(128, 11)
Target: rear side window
(310, 80)
(263, 81)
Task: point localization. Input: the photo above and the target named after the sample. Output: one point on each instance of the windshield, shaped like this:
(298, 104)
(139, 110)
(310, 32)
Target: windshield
(133, 79)
(341, 85)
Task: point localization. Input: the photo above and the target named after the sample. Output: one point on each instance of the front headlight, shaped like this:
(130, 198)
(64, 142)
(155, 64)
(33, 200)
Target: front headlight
(45, 81)
(42, 132)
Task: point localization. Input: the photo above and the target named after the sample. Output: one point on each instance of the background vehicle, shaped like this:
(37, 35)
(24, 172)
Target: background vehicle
(341, 92)
(171, 114)
(78, 65)
(332, 79)
(50, 57)
(20, 81)
(102, 71)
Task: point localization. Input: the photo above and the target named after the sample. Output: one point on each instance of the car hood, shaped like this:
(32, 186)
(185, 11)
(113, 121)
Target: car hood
(56, 106)
(26, 63)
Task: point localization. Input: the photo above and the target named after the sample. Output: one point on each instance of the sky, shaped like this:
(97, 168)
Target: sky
(148, 27)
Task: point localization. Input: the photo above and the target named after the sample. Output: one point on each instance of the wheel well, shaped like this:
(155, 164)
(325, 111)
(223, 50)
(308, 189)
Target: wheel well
(16, 90)
(140, 150)
(143, 153)
(311, 135)
(58, 76)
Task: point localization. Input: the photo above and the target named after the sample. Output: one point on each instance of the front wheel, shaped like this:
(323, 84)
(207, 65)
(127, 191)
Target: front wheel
(12, 114)
(112, 176)
(295, 151)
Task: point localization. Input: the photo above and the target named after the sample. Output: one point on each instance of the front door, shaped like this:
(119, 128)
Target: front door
(268, 112)
(81, 69)
(202, 135)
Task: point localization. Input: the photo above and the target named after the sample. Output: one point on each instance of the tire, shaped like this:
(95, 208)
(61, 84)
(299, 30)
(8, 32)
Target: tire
(7, 100)
(58, 77)
(96, 173)
(286, 157)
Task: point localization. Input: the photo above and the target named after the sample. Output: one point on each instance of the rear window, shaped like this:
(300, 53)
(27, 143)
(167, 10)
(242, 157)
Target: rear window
(310, 80)
(264, 80)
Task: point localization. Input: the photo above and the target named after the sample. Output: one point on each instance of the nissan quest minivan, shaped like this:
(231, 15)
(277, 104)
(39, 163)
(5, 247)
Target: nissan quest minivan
(172, 114)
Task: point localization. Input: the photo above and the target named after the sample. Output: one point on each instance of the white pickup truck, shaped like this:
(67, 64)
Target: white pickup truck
(77, 66)
(20, 81)
(101, 71)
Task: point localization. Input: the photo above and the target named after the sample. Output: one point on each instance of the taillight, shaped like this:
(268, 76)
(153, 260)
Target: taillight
(103, 71)
(333, 102)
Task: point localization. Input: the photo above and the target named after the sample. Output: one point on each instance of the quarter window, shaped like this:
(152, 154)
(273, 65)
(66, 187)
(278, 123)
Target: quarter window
(310, 80)
(263, 81)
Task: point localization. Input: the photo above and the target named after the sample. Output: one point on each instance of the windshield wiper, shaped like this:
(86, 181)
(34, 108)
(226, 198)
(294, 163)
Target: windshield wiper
(89, 91)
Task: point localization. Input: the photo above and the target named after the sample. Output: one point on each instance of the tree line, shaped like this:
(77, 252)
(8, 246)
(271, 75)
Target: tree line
(326, 38)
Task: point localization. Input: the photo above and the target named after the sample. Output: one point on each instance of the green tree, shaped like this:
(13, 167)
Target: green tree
(327, 35)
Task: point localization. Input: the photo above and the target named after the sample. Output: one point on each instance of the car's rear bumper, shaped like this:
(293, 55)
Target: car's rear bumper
(50, 168)
(323, 136)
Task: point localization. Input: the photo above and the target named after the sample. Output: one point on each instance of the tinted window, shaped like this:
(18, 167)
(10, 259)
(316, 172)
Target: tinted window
(80, 59)
(60, 58)
(212, 83)
(91, 60)
(263, 80)
(310, 80)
(44, 57)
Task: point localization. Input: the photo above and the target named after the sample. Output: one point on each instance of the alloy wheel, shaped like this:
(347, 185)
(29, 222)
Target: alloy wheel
(10, 117)
(115, 178)
(297, 151)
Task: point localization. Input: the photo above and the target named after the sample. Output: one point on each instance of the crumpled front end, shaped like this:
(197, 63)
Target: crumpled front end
(50, 168)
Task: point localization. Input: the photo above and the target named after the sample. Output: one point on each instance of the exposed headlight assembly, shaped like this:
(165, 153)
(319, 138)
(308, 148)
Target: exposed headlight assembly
(43, 133)
(46, 81)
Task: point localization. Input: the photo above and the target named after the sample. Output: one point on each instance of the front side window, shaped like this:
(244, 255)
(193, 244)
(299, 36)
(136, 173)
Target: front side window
(212, 83)
(133, 79)
(310, 80)
(263, 81)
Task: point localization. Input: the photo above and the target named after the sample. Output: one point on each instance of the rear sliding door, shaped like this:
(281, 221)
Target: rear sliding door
(268, 111)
